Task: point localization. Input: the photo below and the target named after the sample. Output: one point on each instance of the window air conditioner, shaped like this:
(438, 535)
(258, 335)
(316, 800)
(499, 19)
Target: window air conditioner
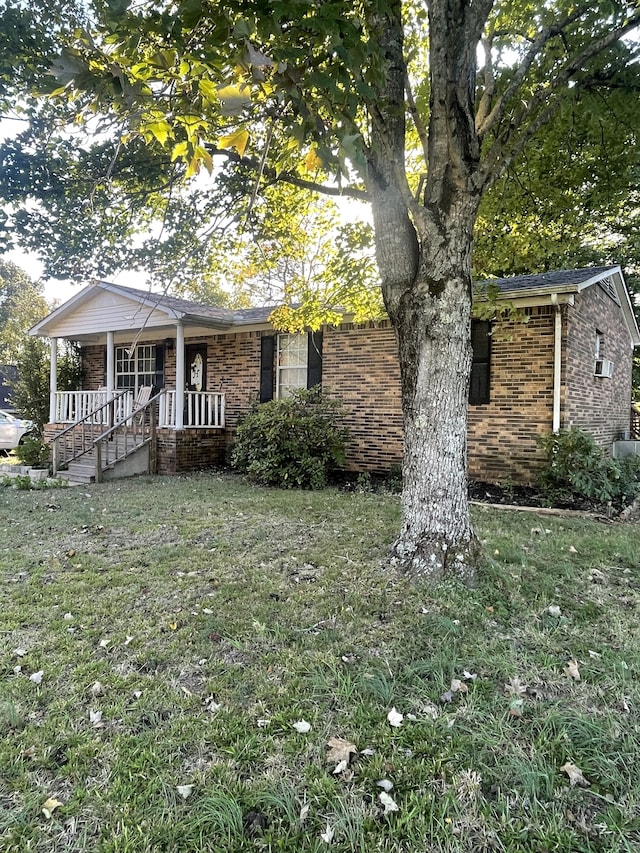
(603, 367)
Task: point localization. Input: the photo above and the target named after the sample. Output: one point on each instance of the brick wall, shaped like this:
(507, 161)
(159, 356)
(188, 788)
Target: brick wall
(597, 404)
(360, 365)
(502, 433)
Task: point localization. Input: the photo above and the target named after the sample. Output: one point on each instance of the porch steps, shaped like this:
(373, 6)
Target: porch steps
(83, 469)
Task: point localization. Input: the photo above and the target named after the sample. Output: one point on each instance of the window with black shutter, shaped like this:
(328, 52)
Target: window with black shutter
(480, 369)
(289, 362)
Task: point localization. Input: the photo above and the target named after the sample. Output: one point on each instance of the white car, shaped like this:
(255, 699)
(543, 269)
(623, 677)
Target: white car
(12, 430)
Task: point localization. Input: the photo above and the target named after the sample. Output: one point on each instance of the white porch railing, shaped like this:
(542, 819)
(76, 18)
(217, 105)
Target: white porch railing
(74, 406)
(203, 409)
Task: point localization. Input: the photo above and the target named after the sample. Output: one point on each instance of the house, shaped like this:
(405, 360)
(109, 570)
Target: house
(565, 361)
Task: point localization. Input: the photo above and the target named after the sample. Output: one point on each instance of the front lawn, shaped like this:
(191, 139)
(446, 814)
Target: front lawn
(164, 641)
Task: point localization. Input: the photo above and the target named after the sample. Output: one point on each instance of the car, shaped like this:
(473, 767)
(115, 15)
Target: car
(13, 430)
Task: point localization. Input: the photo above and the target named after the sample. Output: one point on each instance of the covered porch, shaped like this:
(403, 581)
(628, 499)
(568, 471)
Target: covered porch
(148, 378)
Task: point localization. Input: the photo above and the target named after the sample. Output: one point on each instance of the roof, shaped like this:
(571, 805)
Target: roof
(161, 310)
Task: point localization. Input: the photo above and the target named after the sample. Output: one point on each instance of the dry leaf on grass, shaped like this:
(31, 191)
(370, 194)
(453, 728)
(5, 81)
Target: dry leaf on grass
(327, 835)
(388, 802)
(184, 790)
(49, 806)
(395, 718)
(571, 669)
(514, 687)
(385, 784)
(340, 750)
(302, 727)
(37, 677)
(575, 775)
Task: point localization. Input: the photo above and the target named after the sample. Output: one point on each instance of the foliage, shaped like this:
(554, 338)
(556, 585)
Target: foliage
(30, 394)
(294, 442)
(21, 305)
(144, 601)
(33, 452)
(577, 467)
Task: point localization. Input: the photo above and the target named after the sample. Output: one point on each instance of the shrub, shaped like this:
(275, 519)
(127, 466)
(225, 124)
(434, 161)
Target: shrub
(33, 452)
(577, 468)
(293, 442)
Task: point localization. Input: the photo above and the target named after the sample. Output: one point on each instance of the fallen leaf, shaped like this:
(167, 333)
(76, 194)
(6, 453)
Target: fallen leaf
(571, 669)
(458, 686)
(211, 705)
(304, 811)
(514, 687)
(302, 727)
(388, 802)
(327, 835)
(137, 694)
(395, 718)
(49, 806)
(37, 677)
(594, 655)
(68, 617)
(368, 752)
(385, 784)
(469, 676)
(446, 697)
(128, 640)
(572, 550)
(19, 653)
(103, 644)
(262, 724)
(575, 775)
(515, 707)
(554, 610)
(184, 791)
(340, 750)
(96, 689)
(340, 767)
(95, 718)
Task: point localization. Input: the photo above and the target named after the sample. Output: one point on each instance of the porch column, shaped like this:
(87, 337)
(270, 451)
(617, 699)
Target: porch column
(111, 352)
(53, 380)
(179, 375)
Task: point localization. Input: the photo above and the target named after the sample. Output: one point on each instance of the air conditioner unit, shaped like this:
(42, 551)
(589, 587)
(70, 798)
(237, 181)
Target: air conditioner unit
(603, 367)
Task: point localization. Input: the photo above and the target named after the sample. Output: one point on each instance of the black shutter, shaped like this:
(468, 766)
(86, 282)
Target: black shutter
(267, 349)
(158, 381)
(480, 369)
(314, 360)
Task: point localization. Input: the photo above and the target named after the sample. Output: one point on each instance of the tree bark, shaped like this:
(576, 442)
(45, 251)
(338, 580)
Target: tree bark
(424, 256)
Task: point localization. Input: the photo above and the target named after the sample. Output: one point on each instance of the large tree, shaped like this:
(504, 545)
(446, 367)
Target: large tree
(418, 107)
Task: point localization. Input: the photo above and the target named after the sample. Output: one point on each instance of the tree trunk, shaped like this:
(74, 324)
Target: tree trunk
(433, 326)
(423, 248)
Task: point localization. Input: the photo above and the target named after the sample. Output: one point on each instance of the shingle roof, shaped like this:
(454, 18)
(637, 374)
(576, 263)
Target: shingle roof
(548, 280)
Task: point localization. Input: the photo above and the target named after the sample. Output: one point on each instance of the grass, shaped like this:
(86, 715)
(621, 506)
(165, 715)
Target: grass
(171, 618)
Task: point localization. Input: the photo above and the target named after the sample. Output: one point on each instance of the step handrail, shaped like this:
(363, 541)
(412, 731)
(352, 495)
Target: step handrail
(85, 445)
(134, 425)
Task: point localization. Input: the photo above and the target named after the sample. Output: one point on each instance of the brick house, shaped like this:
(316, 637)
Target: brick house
(565, 361)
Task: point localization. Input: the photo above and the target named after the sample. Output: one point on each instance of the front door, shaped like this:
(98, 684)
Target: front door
(195, 361)
(195, 365)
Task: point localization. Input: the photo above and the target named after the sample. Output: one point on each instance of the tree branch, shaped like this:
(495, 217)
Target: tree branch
(289, 177)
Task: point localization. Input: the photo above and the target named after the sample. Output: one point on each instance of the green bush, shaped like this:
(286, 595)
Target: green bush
(33, 452)
(291, 443)
(577, 468)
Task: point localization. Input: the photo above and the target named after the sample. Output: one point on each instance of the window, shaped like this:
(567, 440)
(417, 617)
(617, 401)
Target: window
(137, 368)
(293, 355)
(296, 361)
(480, 374)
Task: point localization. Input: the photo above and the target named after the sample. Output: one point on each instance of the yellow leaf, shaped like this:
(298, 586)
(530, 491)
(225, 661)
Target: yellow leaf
(173, 625)
(49, 806)
(312, 162)
(161, 130)
(237, 140)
